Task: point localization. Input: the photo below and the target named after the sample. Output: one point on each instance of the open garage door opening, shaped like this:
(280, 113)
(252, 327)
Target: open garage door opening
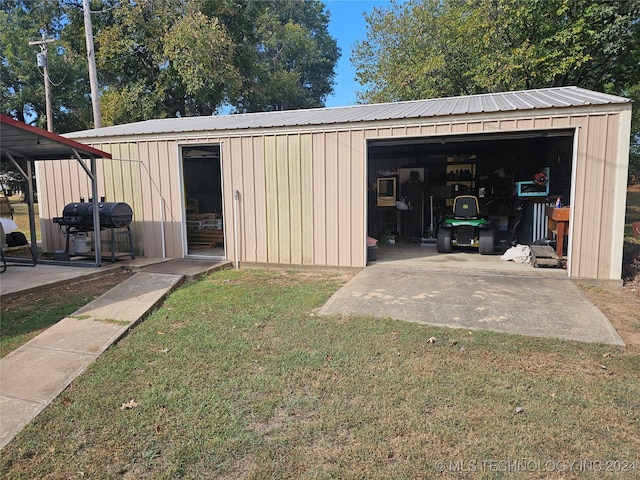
(413, 185)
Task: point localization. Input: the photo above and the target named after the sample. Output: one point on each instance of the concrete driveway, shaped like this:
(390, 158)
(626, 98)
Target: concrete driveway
(466, 290)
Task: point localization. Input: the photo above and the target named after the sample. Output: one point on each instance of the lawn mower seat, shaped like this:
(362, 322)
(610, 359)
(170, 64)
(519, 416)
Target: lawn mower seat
(465, 206)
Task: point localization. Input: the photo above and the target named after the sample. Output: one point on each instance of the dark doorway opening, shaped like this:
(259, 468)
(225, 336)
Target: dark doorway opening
(429, 172)
(202, 175)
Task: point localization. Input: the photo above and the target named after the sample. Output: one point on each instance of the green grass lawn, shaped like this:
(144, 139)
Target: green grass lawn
(236, 376)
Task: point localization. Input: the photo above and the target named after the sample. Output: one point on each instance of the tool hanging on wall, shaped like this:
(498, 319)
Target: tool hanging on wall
(538, 187)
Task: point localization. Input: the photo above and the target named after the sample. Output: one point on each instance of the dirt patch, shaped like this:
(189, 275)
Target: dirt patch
(622, 307)
(92, 287)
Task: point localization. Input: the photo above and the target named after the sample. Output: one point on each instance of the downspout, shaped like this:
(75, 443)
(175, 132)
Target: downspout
(162, 233)
(236, 198)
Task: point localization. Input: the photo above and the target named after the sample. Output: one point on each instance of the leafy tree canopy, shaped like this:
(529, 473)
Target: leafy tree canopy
(431, 48)
(166, 58)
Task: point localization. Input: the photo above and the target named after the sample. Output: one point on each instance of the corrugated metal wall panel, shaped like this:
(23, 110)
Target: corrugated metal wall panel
(579, 193)
(357, 235)
(459, 128)
(319, 198)
(163, 158)
(283, 194)
(120, 182)
(443, 128)
(508, 124)
(332, 198)
(608, 196)
(260, 206)
(306, 187)
(474, 126)
(524, 124)
(592, 224)
(271, 186)
(345, 198)
(591, 211)
(239, 172)
(413, 130)
(242, 148)
(289, 199)
(295, 203)
(304, 194)
(152, 199)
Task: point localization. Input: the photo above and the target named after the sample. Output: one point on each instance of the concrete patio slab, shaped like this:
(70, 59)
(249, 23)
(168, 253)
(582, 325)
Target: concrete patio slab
(539, 306)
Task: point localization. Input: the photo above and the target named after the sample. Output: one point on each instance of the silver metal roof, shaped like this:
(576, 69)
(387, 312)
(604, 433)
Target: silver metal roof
(559, 97)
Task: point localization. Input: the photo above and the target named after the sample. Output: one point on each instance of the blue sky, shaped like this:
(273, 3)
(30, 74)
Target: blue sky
(347, 25)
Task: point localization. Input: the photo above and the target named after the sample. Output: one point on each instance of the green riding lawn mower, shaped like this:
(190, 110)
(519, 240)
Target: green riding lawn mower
(465, 228)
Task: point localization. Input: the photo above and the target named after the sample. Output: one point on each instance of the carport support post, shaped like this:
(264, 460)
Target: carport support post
(32, 213)
(96, 213)
(91, 172)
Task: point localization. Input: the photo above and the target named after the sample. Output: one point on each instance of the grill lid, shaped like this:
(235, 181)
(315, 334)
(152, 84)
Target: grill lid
(112, 214)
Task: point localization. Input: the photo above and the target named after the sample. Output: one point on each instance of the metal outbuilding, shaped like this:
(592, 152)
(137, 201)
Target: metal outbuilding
(301, 187)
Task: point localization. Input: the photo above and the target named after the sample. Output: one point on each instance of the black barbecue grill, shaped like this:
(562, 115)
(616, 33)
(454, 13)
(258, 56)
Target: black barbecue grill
(78, 218)
(112, 215)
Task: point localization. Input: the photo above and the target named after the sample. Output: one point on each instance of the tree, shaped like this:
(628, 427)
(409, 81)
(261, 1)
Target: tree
(22, 81)
(431, 48)
(294, 58)
(167, 58)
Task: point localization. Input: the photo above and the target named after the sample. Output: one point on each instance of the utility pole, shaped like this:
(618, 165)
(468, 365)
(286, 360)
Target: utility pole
(43, 62)
(91, 57)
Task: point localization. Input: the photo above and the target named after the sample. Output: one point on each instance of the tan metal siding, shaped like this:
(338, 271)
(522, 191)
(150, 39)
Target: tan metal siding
(289, 199)
(271, 188)
(580, 189)
(154, 213)
(307, 195)
(345, 198)
(243, 148)
(608, 198)
(283, 194)
(120, 182)
(260, 207)
(319, 185)
(303, 193)
(332, 200)
(357, 234)
(161, 173)
(592, 225)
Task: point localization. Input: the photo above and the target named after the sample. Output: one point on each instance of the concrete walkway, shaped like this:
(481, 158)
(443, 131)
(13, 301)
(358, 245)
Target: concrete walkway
(36, 373)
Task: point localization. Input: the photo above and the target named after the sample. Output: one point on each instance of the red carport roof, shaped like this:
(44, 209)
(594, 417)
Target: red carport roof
(24, 141)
